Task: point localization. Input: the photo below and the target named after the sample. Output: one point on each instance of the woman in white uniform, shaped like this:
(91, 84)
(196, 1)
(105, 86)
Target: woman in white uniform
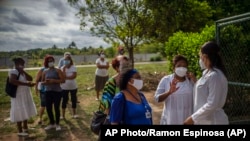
(210, 91)
(176, 91)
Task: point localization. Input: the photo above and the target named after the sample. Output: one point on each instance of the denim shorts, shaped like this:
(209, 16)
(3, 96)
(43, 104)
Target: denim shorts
(42, 99)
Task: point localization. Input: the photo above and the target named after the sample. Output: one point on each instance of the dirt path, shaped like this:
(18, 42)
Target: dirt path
(156, 107)
(80, 134)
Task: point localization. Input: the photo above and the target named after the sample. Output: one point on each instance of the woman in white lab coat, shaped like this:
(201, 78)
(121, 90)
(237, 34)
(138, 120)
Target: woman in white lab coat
(210, 91)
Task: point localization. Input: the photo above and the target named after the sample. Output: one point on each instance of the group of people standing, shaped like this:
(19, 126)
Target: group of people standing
(186, 99)
(190, 101)
(56, 83)
(53, 85)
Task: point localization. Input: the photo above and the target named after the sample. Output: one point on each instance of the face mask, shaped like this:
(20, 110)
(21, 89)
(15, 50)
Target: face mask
(202, 65)
(138, 84)
(181, 71)
(102, 55)
(21, 66)
(51, 64)
(121, 52)
(66, 62)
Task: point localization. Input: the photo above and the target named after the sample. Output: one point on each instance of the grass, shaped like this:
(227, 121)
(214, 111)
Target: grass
(72, 128)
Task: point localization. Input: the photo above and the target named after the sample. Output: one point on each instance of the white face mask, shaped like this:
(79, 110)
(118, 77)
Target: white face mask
(21, 66)
(51, 64)
(202, 65)
(138, 84)
(102, 55)
(181, 71)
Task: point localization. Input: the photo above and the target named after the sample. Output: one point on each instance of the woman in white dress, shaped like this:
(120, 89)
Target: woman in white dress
(23, 106)
(210, 91)
(176, 91)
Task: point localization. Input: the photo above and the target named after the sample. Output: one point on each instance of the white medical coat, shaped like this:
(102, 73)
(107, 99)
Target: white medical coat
(210, 93)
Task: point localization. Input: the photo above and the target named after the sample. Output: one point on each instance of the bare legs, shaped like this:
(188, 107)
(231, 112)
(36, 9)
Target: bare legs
(22, 128)
(97, 94)
(42, 109)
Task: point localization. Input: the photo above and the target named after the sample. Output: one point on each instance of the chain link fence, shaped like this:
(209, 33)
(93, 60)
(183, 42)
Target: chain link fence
(233, 36)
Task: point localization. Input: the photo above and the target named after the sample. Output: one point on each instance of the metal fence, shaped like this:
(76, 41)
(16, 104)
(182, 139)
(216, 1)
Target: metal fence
(233, 36)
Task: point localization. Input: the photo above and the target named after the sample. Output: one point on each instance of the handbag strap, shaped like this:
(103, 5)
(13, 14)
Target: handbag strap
(18, 76)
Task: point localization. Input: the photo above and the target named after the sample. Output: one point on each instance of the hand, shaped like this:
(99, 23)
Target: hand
(173, 87)
(31, 84)
(48, 81)
(189, 121)
(20, 70)
(191, 76)
(64, 68)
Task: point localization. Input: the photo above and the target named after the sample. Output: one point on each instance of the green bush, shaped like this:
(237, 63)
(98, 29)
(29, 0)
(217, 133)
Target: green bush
(156, 58)
(188, 44)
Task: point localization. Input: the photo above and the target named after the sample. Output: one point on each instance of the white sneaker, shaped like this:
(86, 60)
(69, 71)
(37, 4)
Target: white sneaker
(22, 134)
(75, 116)
(62, 117)
(49, 127)
(58, 128)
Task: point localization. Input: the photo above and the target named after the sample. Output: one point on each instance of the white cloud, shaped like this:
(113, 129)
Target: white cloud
(29, 24)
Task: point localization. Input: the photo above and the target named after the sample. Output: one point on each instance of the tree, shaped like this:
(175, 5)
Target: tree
(54, 47)
(72, 45)
(227, 8)
(120, 21)
(171, 16)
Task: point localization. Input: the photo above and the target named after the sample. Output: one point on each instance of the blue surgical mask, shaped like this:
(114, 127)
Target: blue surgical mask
(66, 62)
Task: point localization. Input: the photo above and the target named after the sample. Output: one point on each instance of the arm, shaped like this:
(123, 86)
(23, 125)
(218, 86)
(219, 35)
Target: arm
(28, 77)
(107, 65)
(108, 94)
(51, 81)
(98, 65)
(74, 74)
(60, 63)
(38, 77)
(217, 89)
(61, 77)
(162, 92)
(117, 109)
(13, 80)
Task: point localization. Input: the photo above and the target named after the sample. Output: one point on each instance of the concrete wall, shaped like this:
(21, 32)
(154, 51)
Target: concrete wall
(7, 62)
(78, 59)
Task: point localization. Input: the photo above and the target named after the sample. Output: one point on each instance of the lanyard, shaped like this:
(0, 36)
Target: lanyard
(140, 100)
(147, 113)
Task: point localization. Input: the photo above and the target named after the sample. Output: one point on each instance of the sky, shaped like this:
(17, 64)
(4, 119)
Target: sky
(30, 24)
